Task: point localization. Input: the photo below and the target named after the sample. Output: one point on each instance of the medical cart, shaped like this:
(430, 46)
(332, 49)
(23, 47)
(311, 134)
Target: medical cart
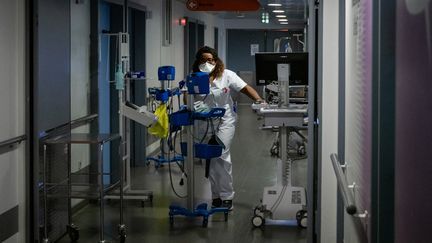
(68, 187)
(196, 83)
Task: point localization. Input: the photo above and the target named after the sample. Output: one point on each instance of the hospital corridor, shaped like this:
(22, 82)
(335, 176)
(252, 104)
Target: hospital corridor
(302, 121)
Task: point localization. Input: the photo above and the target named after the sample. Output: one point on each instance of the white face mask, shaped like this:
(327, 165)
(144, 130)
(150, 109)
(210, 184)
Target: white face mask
(206, 67)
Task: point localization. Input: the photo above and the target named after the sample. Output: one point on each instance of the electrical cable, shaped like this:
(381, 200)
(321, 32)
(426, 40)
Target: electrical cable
(172, 184)
(169, 157)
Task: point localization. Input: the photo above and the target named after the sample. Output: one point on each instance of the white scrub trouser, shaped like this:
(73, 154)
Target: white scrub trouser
(220, 175)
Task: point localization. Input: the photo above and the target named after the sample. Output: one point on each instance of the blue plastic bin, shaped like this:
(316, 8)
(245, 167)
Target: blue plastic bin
(198, 83)
(207, 151)
(203, 151)
(181, 118)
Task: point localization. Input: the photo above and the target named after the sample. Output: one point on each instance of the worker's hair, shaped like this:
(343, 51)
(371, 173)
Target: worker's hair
(219, 68)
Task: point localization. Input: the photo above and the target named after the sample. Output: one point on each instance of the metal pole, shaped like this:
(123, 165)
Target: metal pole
(190, 159)
(283, 134)
(343, 185)
(121, 186)
(125, 16)
(68, 147)
(101, 195)
(45, 194)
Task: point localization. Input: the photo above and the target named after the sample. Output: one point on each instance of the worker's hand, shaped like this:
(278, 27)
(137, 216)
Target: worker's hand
(260, 101)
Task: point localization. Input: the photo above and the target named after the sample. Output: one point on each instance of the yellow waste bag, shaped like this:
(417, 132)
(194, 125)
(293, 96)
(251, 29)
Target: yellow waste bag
(161, 127)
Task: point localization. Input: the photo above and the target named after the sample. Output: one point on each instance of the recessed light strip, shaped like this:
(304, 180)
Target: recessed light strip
(274, 4)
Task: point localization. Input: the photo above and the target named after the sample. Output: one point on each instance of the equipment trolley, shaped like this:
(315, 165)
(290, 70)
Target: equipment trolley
(71, 189)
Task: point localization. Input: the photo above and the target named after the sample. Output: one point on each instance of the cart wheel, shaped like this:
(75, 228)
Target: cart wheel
(274, 151)
(171, 219)
(257, 210)
(205, 222)
(303, 222)
(123, 237)
(122, 233)
(73, 232)
(257, 221)
(301, 150)
(301, 217)
(299, 214)
(150, 198)
(226, 216)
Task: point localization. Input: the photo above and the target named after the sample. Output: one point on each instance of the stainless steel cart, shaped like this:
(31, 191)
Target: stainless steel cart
(95, 191)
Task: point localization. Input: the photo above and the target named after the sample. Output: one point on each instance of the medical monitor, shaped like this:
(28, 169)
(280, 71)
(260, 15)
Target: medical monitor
(266, 67)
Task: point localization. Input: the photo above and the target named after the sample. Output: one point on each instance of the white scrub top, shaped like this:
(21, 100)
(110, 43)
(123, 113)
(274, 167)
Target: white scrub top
(221, 94)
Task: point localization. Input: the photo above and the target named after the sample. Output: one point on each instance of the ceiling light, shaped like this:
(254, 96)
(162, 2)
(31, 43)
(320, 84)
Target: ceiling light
(280, 16)
(282, 20)
(265, 17)
(278, 11)
(283, 23)
(274, 4)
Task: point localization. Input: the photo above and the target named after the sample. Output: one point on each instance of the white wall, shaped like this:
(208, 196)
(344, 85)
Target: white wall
(12, 109)
(157, 54)
(80, 77)
(329, 119)
(80, 80)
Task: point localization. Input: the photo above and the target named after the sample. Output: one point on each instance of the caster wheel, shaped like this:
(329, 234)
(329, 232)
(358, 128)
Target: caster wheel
(257, 211)
(301, 150)
(303, 222)
(257, 221)
(122, 233)
(171, 220)
(205, 222)
(73, 232)
(301, 217)
(274, 151)
(226, 216)
(123, 237)
(150, 198)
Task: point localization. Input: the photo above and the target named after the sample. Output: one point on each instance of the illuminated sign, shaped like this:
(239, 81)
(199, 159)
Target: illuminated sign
(223, 5)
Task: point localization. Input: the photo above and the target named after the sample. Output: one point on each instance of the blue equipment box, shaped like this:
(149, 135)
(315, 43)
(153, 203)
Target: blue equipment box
(162, 95)
(181, 118)
(202, 150)
(137, 74)
(166, 73)
(198, 83)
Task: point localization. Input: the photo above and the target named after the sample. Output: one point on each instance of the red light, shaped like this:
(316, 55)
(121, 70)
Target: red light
(183, 21)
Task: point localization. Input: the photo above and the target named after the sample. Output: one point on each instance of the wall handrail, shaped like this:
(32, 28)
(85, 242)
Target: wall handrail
(11, 142)
(83, 120)
(347, 196)
(68, 126)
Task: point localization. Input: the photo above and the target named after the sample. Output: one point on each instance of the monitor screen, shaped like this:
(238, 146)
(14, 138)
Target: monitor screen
(266, 67)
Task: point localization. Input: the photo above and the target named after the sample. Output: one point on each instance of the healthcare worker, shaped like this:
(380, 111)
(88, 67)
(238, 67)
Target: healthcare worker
(223, 84)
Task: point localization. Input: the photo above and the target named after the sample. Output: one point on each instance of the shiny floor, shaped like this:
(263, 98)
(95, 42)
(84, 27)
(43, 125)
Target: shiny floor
(253, 168)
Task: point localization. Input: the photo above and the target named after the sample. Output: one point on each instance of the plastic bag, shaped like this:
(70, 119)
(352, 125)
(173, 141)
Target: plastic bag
(161, 127)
